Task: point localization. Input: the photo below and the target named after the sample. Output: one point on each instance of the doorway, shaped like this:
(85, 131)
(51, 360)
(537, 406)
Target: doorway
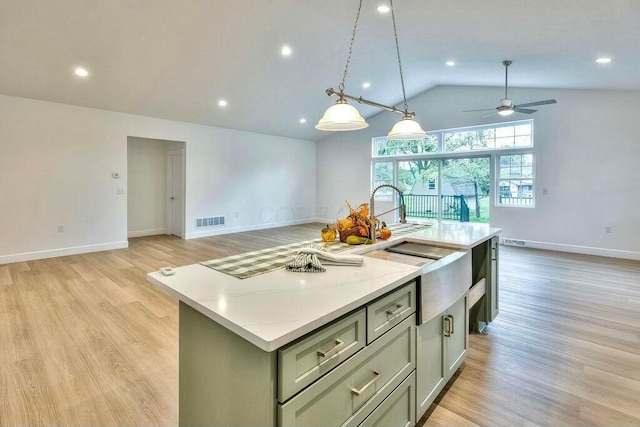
(175, 192)
(155, 187)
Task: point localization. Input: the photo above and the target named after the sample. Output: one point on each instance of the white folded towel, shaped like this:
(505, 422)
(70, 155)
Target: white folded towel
(329, 258)
(311, 259)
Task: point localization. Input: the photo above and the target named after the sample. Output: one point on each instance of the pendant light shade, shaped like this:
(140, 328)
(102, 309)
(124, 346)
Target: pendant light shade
(341, 117)
(407, 128)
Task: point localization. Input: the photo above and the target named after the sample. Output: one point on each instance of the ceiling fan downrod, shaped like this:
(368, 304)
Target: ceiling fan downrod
(506, 76)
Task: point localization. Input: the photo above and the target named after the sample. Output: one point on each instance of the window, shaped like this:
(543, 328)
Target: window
(383, 174)
(453, 167)
(497, 136)
(383, 147)
(515, 178)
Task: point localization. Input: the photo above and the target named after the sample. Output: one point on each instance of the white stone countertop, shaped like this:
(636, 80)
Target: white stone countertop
(273, 309)
(454, 235)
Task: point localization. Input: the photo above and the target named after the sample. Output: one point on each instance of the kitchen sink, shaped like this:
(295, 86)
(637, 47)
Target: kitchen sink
(410, 253)
(445, 278)
(420, 250)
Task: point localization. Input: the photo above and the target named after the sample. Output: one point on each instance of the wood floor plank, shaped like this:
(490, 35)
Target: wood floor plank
(5, 276)
(85, 340)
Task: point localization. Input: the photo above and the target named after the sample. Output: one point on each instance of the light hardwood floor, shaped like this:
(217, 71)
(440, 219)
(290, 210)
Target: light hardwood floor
(85, 340)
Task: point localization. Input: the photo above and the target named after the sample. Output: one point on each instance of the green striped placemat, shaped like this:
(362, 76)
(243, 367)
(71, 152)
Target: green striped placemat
(262, 261)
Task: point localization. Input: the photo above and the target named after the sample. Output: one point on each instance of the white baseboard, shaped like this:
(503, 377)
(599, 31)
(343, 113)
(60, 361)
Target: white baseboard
(587, 250)
(143, 233)
(229, 230)
(52, 253)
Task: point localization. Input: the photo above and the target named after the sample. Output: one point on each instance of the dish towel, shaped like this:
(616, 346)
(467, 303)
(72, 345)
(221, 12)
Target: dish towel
(311, 260)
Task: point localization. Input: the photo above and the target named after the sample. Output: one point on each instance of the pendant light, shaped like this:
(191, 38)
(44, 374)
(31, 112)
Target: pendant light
(342, 116)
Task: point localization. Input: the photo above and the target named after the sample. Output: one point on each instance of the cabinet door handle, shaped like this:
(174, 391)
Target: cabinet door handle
(447, 326)
(395, 313)
(338, 345)
(453, 324)
(357, 392)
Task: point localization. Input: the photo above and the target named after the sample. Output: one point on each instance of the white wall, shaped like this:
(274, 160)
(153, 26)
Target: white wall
(147, 187)
(587, 154)
(56, 162)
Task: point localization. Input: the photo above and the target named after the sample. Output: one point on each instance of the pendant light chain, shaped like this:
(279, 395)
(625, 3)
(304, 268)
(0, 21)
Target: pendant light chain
(353, 37)
(395, 34)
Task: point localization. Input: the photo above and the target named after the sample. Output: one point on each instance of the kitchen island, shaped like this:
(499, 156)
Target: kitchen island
(277, 348)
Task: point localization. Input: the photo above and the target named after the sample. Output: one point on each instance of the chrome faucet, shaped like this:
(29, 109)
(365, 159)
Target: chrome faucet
(402, 207)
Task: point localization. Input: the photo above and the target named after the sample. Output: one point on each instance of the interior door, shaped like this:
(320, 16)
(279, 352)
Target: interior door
(175, 192)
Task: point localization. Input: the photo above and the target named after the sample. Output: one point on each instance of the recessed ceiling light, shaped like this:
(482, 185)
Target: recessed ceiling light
(222, 103)
(603, 60)
(450, 63)
(285, 51)
(384, 9)
(366, 85)
(81, 72)
(303, 120)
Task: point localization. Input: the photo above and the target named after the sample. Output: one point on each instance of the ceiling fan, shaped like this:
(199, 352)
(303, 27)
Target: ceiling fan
(507, 107)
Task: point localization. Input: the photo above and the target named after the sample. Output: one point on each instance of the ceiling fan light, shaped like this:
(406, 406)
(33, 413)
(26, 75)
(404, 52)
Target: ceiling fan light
(341, 117)
(407, 128)
(505, 112)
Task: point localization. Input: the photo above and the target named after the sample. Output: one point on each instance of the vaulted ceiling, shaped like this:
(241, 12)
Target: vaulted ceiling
(176, 59)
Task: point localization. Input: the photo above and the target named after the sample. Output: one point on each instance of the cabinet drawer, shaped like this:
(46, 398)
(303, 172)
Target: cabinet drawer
(397, 410)
(390, 310)
(303, 362)
(350, 392)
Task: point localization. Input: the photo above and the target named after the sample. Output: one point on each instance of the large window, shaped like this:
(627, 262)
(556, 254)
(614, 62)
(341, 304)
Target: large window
(449, 174)
(515, 179)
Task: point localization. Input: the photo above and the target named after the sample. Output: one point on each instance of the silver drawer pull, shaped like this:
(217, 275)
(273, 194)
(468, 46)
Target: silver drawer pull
(447, 325)
(395, 313)
(338, 345)
(357, 392)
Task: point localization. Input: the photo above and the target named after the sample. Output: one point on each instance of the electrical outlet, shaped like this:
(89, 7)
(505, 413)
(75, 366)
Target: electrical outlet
(608, 229)
(120, 190)
(237, 214)
(61, 229)
(545, 191)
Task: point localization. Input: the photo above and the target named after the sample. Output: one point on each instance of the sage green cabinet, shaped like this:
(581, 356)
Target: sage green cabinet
(350, 392)
(390, 310)
(430, 367)
(492, 288)
(441, 347)
(456, 335)
(398, 409)
(302, 363)
(485, 258)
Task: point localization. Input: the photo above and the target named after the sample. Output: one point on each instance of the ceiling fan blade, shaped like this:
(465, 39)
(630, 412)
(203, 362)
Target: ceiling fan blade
(524, 110)
(533, 104)
(472, 111)
(489, 115)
